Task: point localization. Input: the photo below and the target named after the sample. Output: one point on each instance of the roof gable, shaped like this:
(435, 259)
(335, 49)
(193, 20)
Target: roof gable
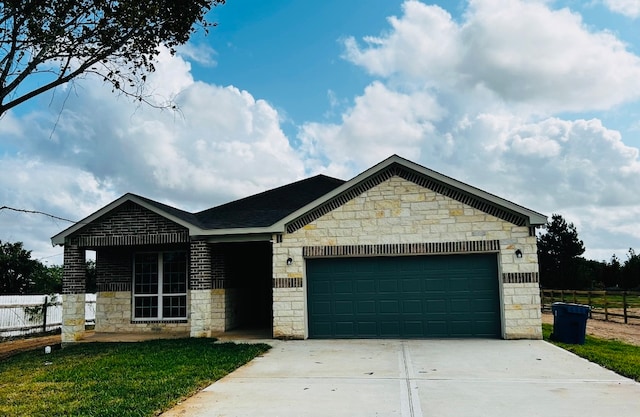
(395, 165)
(173, 214)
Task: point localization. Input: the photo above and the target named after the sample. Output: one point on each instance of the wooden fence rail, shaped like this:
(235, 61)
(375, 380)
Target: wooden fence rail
(27, 314)
(605, 305)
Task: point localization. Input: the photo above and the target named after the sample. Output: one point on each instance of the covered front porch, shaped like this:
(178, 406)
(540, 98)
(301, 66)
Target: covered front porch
(154, 278)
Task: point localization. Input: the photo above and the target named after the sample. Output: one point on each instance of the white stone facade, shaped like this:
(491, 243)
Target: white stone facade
(73, 317)
(113, 315)
(399, 211)
(212, 311)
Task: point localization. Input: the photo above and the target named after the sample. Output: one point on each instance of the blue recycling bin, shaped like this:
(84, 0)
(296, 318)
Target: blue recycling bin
(569, 322)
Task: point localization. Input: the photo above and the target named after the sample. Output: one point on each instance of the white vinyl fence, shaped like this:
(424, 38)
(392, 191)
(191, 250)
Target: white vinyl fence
(28, 314)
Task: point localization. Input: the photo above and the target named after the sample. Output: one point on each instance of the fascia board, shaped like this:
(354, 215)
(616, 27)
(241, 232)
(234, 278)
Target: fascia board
(240, 231)
(237, 237)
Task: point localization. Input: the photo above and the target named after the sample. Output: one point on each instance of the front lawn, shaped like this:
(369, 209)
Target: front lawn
(622, 358)
(115, 379)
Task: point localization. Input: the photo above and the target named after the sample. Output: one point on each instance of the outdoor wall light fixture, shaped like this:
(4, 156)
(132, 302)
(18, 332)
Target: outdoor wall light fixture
(289, 261)
(518, 253)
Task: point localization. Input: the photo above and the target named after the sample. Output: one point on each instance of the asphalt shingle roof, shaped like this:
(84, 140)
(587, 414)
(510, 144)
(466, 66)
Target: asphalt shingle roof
(266, 208)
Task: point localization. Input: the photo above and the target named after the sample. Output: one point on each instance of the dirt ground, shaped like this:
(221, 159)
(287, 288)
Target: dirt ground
(12, 347)
(629, 333)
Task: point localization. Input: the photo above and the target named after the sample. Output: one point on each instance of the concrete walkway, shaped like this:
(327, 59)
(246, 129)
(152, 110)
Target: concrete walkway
(456, 378)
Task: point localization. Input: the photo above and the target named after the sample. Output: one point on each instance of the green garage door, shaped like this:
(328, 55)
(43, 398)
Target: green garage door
(404, 297)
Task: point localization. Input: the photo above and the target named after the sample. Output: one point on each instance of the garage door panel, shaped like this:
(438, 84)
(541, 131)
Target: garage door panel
(366, 286)
(320, 287)
(365, 307)
(483, 305)
(388, 286)
(320, 308)
(319, 327)
(344, 328)
(422, 296)
(437, 328)
(413, 328)
(462, 305)
(390, 328)
(436, 306)
(344, 307)
(367, 328)
(343, 287)
(434, 283)
(412, 306)
(411, 285)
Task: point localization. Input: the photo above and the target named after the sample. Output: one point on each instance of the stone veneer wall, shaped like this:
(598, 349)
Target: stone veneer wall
(398, 211)
(113, 315)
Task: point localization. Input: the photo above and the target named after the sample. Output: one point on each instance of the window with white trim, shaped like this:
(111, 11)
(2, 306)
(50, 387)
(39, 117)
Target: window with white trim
(160, 286)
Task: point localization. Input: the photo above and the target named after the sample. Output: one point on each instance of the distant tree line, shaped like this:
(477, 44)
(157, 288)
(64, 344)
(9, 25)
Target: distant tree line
(563, 267)
(20, 274)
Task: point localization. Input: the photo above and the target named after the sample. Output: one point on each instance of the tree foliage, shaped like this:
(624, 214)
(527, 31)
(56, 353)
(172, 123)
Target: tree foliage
(19, 274)
(631, 271)
(563, 267)
(16, 268)
(51, 42)
(559, 251)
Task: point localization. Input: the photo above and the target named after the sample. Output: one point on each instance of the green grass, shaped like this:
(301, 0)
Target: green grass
(622, 358)
(115, 379)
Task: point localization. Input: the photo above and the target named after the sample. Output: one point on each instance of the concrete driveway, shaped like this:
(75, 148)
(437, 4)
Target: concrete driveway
(457, 378)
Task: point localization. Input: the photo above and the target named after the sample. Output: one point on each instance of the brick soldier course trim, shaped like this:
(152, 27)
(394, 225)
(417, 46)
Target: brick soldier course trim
(521, 278)
(427, 248)
(287, 282)
(114, 286)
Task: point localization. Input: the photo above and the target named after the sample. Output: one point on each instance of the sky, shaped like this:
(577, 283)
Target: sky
(537, 101)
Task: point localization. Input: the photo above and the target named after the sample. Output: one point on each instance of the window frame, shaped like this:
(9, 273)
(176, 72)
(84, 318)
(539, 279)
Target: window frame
(160, 294)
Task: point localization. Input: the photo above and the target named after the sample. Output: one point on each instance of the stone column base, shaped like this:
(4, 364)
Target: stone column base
(72, 318)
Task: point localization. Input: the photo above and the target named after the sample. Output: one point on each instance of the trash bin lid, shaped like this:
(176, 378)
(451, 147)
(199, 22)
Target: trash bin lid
(571, 308)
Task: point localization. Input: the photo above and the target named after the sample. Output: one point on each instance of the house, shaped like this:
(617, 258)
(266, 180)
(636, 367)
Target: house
(399, 251)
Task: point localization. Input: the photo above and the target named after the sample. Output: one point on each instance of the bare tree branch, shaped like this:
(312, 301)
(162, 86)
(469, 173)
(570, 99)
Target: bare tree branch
(67, 38)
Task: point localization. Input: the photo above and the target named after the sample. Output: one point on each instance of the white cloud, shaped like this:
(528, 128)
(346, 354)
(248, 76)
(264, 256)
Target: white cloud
(476, 99)
(202, 54)
(382, 122)
(222, 144)
(522, 51)
(629, 8)
(66, 192)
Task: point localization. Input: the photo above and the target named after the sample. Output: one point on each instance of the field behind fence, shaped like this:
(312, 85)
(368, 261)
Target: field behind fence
(45, 316)
(617, 306)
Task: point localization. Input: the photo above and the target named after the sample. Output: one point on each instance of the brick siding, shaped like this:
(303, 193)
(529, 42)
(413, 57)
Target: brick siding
(130, 224)
(74, 270)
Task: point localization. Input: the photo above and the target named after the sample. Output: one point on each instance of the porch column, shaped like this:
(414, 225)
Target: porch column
(200, 289)
(73, 293)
